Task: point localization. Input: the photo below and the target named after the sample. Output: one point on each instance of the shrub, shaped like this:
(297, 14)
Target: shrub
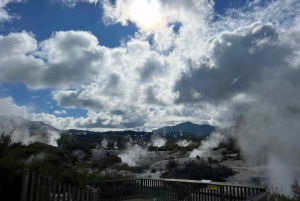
(295, 196)
(199, 170)
(153, 170)
(172, 164)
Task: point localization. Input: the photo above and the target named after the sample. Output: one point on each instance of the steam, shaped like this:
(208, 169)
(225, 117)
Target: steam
(183, 143)
(25, 137)
(206, 146)
(158, 141)
(17, 127)
(39, 156)
(104, 143)
(133, 154)
(271, 137)
(53, 137)
(116, 145)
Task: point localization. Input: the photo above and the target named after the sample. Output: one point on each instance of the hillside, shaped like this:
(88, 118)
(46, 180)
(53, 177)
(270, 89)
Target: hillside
(188, 127)
(8, 122)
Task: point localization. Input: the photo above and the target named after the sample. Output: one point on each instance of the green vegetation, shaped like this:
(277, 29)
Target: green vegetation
(133, 169)
(57, 163)
(276, 196)
(197, 171)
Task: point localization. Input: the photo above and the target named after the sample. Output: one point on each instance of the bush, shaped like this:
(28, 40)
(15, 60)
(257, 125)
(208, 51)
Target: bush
(295, 196)
(106, 162)
(133, 169)
(197, 171)
(153, 170)
(172, 164)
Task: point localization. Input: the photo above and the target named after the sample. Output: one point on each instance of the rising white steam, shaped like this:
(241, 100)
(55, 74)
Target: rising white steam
(183, 143)
(25, 137)
(271, 137)
(116, 145)
(104, 143)
(133, 154)
(52, 138)
(39, 156)
(158, 141)
(212, 141)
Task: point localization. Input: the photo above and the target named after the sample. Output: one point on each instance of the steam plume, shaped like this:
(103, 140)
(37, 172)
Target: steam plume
(183, 143)
(206, 146)
(158, 141)
(104, 143)
(133, 154)
(271, 137)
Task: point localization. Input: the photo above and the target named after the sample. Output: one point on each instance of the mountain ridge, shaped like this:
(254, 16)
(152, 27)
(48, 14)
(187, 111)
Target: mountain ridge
(188, 127)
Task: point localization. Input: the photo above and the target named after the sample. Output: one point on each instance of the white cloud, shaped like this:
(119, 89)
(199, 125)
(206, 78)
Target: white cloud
(60, 112)
(4, 15)
(73, 3)
(195, 68)
(8, 106)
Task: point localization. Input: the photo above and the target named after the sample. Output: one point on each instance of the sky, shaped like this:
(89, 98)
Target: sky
(144, 64)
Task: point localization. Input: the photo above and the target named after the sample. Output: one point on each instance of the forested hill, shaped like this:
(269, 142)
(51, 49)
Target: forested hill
(188, 127)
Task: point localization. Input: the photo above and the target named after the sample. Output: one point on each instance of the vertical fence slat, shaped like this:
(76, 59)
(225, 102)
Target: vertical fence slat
(32, 185)
(54, 191)
(59, 191)
(78, 194)
(25, 185)
(87, 196)
(38, 187)
(64, 192)
(43, 188)
(82, 195)
(48, 189)
(69, 192)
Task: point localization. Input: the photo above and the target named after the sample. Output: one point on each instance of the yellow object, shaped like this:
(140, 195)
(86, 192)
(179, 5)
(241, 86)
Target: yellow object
(212, 187)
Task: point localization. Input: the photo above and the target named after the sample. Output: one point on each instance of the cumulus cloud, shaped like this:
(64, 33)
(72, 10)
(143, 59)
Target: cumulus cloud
(8, 106)
(73, 3)
(62, 60)
(4, 15)
(194, 66)
(169, 11)
(60, 112)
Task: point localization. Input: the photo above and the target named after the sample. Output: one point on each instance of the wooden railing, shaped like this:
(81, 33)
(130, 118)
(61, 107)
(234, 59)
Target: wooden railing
(174, 190)
(39, 188)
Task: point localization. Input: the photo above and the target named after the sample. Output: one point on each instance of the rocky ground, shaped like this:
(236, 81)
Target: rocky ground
(245, 173)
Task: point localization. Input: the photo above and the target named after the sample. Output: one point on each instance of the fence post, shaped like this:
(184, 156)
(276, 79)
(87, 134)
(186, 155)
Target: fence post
(190, 192)
(222, 193)
(25, 185)
(94, 195)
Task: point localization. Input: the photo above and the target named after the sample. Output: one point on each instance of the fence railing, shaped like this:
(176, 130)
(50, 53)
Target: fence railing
(38, 188)
(174, 190)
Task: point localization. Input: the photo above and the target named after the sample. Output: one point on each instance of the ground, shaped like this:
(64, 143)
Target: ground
(245, 173)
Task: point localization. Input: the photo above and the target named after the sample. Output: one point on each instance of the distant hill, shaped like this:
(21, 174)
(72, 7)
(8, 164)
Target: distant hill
(188, 127)
(27, 132)
(9, 122)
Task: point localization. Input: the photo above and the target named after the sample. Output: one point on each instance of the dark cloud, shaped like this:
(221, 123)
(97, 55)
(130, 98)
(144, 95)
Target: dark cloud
(237, 60)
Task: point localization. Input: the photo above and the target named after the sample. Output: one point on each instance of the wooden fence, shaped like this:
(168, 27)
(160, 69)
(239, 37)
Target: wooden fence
(39, 188)
(176, 190)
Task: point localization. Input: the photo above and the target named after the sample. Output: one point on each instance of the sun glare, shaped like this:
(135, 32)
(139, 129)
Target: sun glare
(144, 12)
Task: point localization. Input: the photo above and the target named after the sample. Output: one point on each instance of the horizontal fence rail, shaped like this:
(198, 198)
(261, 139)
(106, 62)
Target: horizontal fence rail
(38, 188)
(175, 190)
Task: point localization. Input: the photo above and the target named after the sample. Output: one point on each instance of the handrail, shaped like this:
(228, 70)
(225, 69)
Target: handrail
(175, 189)
(182, 180)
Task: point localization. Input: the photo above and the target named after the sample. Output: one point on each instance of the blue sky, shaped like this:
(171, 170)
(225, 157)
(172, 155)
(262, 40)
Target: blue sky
(100, 64)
